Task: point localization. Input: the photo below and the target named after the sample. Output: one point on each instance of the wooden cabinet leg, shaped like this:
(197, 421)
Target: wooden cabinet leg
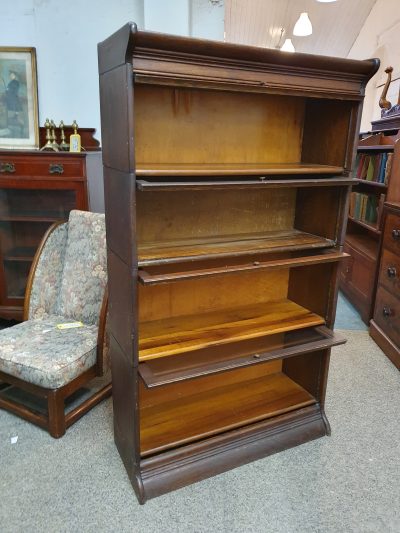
(55, 405)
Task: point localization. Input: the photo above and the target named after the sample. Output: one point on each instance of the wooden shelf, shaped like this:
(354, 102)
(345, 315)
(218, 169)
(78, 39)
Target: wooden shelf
(170, 273)
(165, 370)
(233, 169)
(24, 254)
(369, 227)
(22, 218)
(171, 336)
(178, 421)
(363, 244)
(228, 246)
(372, 184)
(376, 148)
(259, 183)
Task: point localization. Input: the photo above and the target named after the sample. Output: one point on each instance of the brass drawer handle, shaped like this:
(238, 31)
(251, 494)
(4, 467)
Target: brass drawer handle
(56, 168)
(396, 234)
(391, 272)
(387, 312)
(7, 168)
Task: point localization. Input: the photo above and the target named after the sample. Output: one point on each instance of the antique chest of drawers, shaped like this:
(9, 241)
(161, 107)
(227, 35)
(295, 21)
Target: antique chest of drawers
(385, 325)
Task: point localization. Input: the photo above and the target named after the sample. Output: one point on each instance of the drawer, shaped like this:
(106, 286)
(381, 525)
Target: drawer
(42, 166)
(389, 273)
(391, 237)
(359, 272)
(387, 314)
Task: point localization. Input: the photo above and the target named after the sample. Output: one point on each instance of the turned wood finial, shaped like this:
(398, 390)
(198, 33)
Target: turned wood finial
(383, 103)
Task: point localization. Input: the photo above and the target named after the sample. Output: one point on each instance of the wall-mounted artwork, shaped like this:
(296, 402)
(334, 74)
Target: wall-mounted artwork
(19, 126)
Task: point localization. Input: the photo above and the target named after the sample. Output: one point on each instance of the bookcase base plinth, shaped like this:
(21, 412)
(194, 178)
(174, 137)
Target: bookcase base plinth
(177, 468)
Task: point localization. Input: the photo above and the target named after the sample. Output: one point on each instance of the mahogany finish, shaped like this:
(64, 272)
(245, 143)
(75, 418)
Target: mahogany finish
(226, 182)
(36, 189)
(385, 324)
(358, 277)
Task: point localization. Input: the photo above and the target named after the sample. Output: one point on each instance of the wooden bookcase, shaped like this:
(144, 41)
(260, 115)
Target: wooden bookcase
(36, 189)
(359, 272)
(226, 187)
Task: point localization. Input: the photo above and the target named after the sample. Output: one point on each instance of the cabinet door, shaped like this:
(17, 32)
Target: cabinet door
(26, 212)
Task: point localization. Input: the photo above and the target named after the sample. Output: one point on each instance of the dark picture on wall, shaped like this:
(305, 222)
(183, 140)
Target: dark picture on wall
(18, 98)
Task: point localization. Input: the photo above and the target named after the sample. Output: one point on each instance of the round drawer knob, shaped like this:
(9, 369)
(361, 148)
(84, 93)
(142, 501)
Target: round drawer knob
(387, 311)
(396, 234)
(391, 272)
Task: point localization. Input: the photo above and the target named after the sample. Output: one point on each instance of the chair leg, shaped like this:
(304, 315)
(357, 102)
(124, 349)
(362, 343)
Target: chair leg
(55, 405)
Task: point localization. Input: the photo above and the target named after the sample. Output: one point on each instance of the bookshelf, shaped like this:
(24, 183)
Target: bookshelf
(373, 171)
(227, 177)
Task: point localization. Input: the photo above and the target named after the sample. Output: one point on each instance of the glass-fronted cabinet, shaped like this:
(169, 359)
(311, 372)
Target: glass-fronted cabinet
(36, 189)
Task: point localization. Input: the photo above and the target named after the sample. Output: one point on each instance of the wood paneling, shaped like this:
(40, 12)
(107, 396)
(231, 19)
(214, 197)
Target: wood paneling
(245, 128)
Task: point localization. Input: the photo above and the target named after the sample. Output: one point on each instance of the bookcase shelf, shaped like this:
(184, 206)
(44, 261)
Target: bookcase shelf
(228, 246)
(198, 415)
(260, 183)
(183, 334)
(226, 192)
(369, 227)
(165, 273)
(161, 371)
(234, 169)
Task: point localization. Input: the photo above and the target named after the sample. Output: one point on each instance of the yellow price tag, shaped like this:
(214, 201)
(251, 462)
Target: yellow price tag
(70, 325)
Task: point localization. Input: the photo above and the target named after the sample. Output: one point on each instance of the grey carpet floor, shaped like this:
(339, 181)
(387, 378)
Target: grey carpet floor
(349, 482)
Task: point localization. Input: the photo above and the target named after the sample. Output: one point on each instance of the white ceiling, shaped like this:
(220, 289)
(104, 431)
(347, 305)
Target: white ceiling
(336, 25)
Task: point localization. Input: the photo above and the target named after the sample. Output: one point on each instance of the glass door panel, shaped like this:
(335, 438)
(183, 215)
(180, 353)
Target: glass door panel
(25, 215)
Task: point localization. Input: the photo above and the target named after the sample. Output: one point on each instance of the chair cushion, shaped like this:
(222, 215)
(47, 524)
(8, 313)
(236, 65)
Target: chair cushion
(85, 268)
(38, 352)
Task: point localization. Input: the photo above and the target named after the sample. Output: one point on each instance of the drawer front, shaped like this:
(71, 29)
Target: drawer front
(391, 237)
(43, 166)
(389, 273)
(360, 273)
(387, 314)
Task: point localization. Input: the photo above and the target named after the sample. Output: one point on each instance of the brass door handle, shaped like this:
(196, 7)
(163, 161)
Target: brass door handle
(56, 168)
(7, 168)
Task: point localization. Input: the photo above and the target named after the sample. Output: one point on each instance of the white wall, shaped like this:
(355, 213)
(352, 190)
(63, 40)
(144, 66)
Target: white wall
(167, 16)
(379, 37)
(66, 33)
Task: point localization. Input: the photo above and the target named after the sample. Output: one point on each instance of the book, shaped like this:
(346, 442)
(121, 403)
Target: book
(388, 168)
(370, 169)
(382, 168)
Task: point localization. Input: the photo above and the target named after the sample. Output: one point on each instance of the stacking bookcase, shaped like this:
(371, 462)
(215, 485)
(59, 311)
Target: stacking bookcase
(226, 187)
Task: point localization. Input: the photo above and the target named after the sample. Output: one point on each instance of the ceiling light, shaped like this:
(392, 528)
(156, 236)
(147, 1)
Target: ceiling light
(303, 26)
(288, 46)
(326, 1)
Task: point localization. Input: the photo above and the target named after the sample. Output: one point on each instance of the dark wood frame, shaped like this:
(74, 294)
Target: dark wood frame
(130, 58)
(56, 421)
(359, 275)
(380, 332)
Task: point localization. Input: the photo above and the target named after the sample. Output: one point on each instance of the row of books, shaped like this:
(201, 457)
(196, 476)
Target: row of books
(374, 167)
(364, 207)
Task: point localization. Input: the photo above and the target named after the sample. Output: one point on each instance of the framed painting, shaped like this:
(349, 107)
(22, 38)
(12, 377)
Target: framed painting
(19, 123)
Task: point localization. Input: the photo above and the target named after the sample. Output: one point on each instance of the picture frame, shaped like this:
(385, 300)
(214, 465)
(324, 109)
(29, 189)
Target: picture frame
(19, 120)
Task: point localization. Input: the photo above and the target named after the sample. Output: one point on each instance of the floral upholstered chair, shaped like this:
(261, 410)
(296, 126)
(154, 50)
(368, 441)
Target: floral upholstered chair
(44, 355)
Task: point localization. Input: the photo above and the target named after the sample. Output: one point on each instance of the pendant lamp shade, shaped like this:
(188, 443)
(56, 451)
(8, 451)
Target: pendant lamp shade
(303, 26)
(288, 46)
